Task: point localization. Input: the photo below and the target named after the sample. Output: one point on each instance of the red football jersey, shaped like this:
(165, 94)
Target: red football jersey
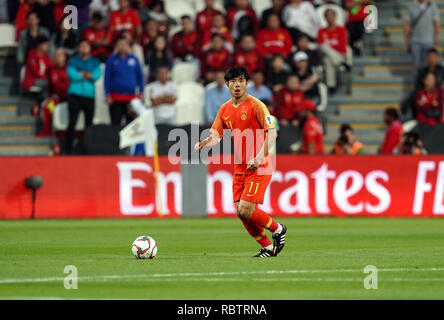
(288, 103)
(428, 101)
(277, 42)
(215, 60)
(58, 82)
(244, 121)
(250, 60)
(204, 20)
(336, 38)
(184, 44)
(313, 133)
(128, 20)
(37, 67)
(392, 137)
(92, 36)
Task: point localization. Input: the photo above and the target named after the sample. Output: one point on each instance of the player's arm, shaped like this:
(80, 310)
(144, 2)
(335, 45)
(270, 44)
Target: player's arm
(217, 131)
(266, 123)
(270, 140)
(208, 142)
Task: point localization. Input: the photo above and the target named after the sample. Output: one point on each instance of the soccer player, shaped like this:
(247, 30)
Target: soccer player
(247, 117)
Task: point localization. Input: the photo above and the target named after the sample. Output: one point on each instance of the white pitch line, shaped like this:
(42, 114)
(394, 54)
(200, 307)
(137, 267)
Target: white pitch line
(164, 276)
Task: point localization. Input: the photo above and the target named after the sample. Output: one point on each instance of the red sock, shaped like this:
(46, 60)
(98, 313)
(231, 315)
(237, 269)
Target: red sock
(257, 233)
(261, 218)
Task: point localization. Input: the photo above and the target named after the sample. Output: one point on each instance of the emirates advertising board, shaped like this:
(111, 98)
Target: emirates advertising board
(301, 186)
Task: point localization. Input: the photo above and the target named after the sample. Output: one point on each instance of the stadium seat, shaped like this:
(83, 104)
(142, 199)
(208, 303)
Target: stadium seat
(7, 38)
(185, 72)
(340, 14)
(177, 8)
(260, 5)
(60, 118)
(190, 103)
(101, 111)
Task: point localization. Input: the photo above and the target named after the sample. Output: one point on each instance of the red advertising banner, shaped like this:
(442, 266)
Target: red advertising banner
(93, 187)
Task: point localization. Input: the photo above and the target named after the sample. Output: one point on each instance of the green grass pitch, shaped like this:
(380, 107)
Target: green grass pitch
(324, 258)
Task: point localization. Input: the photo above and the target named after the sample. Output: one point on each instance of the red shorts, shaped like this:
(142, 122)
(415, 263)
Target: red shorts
(250, 187)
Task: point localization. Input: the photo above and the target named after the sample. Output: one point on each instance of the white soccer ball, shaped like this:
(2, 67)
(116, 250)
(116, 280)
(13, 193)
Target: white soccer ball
(144, 247)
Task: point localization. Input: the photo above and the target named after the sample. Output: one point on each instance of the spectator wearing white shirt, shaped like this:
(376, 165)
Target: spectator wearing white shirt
(104, 7)
(215, 96)
(163, 95)
(301, 18)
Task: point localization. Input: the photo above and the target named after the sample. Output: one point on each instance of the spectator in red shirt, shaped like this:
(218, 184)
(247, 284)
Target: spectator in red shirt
(428, 102)
(99, 37)
(25, 7)
(274, 39)
(333, 47)
(185, 42)
(394, 131)
(215, 58)
(219, 26)
(37, 66)
(58, 77)
(57, 89)
(312, 132)
(125, 18)
(241, 19)
(247, 55)
(204, 19)
(288, 102)
(150, 32)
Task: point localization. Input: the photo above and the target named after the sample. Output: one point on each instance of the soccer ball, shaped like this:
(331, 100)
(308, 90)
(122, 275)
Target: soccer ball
(144, 247)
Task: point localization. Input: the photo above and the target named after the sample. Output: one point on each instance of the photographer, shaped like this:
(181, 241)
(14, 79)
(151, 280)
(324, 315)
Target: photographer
(346, 143)
(411, 144)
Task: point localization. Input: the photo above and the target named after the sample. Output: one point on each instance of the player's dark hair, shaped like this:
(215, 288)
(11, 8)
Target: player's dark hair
(393, 113)
(236, 72)
(345, 127)
(185, 17)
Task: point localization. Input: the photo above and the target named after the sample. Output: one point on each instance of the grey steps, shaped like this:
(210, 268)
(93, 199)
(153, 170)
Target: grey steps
(22, 120)
(362, 61)
(360, 118)
(24, 140)
(25, 152)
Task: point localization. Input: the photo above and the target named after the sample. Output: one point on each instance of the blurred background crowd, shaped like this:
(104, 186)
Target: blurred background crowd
(76, 74)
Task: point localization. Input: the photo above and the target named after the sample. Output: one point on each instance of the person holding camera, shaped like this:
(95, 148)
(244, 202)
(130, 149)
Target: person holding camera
(346, 143)
(411, 144)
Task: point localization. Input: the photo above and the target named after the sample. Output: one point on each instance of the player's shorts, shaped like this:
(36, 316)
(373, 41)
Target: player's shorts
(250, 187)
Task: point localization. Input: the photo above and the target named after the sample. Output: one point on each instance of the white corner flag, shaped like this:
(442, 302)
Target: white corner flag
(143, 130)
(140, 130)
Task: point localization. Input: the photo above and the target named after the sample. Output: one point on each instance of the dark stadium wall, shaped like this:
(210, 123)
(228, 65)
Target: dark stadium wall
(100, 187)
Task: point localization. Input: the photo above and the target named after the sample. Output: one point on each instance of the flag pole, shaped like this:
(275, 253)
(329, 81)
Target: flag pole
(156, 178)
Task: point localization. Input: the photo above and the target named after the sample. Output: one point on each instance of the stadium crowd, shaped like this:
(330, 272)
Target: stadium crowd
(291, 50)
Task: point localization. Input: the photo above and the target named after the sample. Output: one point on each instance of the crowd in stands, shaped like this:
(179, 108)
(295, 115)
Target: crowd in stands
(289, 49)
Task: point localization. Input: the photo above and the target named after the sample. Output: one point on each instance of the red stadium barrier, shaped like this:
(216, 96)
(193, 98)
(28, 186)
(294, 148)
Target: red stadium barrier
(93, 187)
